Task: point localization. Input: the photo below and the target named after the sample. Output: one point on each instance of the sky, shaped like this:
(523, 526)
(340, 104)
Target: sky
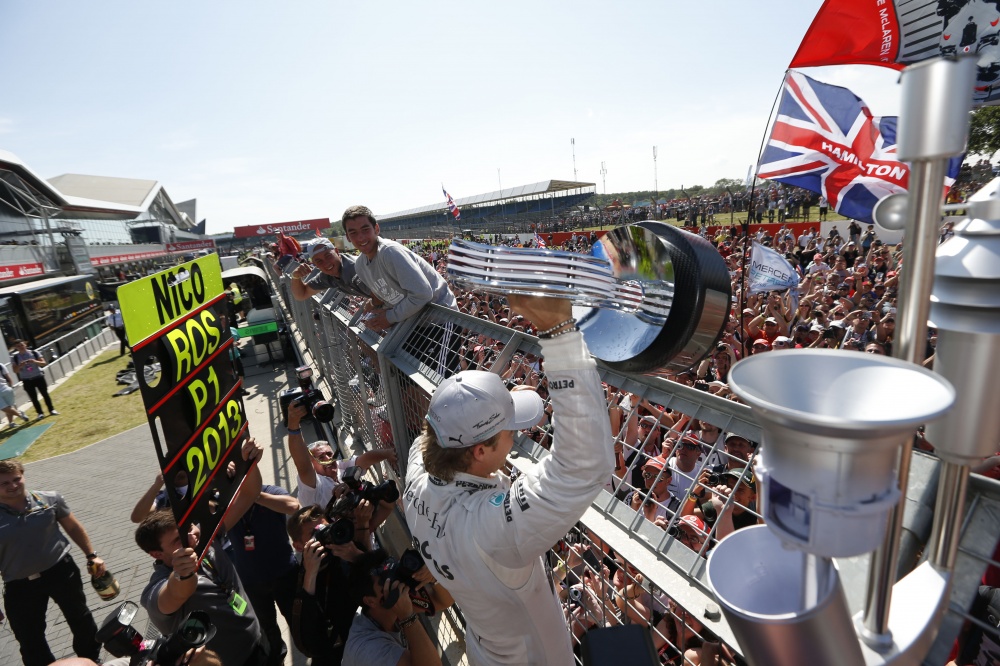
(276, 111)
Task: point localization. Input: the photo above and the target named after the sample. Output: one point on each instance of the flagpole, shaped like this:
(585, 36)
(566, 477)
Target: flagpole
(750, 212)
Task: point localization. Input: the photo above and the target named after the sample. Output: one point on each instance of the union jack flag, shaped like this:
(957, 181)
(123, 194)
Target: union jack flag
(455, 212)
(539, 242)
(826, 140)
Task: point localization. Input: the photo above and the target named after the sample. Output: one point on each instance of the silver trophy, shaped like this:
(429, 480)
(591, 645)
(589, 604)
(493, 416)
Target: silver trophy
(649, 297)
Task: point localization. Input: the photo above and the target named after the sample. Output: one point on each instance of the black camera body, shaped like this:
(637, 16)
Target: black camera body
(308, 396)
(402, 570)
(387, 491)
(337, 532)
(121, 639)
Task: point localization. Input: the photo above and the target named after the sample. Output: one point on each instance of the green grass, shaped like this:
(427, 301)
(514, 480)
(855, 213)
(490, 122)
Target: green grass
(88, 410)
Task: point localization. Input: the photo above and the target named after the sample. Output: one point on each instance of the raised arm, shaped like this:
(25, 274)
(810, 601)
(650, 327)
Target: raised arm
(547, 499)
(297, 446)
(300, 290)
(147, 503)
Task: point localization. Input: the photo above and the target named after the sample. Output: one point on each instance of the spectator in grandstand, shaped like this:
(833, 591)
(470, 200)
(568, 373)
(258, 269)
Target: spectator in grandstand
(684, 463)
(692, 532)
(400, 281)
(657, 504)
(485, 534)
(384, 633)
(712, 505)
(333, 270)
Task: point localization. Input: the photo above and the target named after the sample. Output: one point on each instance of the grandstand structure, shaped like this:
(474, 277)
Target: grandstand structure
(510, 210)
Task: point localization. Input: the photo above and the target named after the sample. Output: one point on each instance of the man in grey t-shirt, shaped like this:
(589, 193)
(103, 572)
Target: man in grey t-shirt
(401, 282)
(333, 270)
(181, 584)
(36, 564)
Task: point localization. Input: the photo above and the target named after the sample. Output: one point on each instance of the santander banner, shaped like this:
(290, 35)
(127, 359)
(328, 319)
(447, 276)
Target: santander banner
(290, 228)
(15, 271)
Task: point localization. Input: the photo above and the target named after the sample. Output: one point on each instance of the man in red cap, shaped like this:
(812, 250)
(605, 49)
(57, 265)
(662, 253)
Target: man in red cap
(659, 505)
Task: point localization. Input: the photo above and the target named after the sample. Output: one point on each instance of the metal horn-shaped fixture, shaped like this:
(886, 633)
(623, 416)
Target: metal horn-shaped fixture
(890, 211)
(649, 297)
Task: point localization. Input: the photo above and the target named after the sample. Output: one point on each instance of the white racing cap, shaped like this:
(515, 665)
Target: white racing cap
(473, 405)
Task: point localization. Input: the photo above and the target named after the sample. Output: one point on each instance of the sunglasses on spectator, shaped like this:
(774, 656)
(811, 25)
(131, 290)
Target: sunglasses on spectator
(691, 447)
(652, 475)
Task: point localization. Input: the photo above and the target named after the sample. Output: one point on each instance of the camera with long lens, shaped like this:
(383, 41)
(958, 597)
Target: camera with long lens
(402, 570)
(121, 639)
(308, 396)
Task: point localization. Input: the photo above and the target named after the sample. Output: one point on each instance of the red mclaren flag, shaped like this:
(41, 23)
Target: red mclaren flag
(896, 33)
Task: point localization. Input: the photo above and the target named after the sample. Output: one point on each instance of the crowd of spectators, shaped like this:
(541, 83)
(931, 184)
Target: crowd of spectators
(679, 474)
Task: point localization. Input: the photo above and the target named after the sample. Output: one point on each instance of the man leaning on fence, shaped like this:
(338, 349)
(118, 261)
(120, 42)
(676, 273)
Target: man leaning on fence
(484, 536)
(333, 270)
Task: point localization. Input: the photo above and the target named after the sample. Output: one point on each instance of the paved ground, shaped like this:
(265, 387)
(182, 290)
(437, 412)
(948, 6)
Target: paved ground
(102, 482)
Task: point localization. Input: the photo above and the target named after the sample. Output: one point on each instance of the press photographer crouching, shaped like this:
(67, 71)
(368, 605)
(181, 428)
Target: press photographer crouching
(387, 631)
(330, 540)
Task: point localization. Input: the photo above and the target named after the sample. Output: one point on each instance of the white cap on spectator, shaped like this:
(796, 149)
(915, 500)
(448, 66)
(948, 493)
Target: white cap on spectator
(474, 405)
(317, 246)
(783, 338)
(817, 328)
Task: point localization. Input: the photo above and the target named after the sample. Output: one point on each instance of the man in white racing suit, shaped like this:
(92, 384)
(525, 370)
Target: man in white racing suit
(485, 537)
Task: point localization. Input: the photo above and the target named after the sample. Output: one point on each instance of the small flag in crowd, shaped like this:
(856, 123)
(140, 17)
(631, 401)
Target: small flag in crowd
(825, 139)
(869, 32)
(539, 242)
(455, 212)
(769, 271)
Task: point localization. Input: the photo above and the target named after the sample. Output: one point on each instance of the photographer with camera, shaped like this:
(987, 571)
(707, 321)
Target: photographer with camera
(318, 469)
(386, 631)
(484, 535)
(328, 540)
(180, 584)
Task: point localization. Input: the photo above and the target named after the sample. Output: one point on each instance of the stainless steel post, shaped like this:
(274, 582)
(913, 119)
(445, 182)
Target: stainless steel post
(937, 97)
(945, 534)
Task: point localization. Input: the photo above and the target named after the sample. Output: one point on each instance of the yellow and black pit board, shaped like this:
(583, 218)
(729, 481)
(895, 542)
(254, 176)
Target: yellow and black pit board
(177, 318)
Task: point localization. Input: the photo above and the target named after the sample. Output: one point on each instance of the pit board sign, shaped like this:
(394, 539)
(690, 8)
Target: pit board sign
(176, 320)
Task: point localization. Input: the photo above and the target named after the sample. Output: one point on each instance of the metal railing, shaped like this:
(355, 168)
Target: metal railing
(383, 384)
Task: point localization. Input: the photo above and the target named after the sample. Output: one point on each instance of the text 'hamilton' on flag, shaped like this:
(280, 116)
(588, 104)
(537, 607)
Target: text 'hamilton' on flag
(455, 212)
(825, 139)
(896, 33)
